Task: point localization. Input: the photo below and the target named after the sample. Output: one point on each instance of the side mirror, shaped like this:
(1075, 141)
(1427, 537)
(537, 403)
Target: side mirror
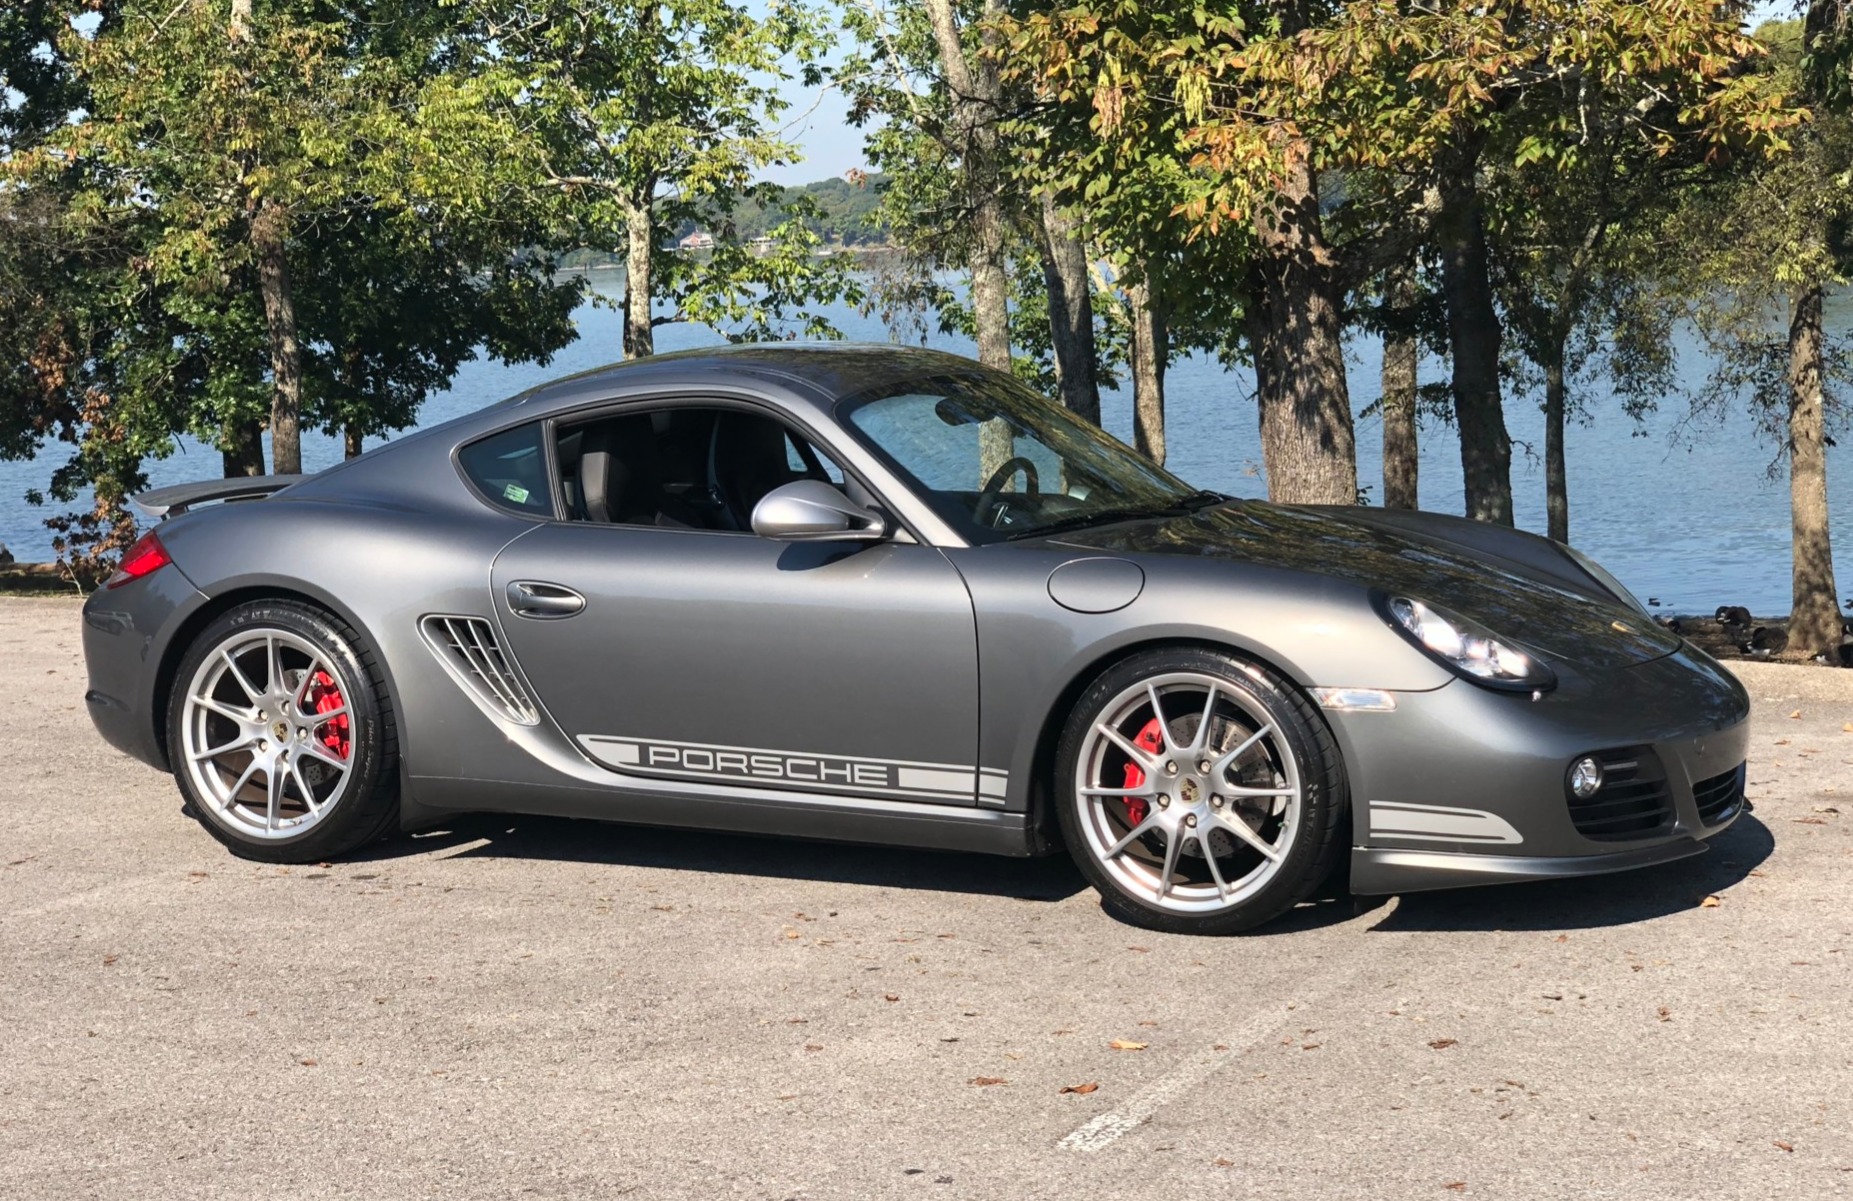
(813, 511)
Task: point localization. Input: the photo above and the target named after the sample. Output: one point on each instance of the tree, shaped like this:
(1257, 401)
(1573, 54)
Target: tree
(629, 118)
(1273, 100)
(1762, 248)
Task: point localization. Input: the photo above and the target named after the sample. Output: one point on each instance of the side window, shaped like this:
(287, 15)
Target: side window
(800, 456)
(682, 466)
(510, 469)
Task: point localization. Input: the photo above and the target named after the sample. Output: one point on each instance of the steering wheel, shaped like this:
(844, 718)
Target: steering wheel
(994, 487)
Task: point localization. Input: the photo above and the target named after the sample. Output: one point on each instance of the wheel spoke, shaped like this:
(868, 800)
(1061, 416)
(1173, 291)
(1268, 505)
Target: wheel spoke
(1174, 844)
(1242, 830)
(241, 743)
(1158, 711)
(1209, 857)
(250, 769)
(1251, 792)
(321, 718)
(1137, 832)
(224, 710)
(273, 794)
(325, 755)
(1125, 744)
(302, 786)
(251, 691)
(1143, 790)
(1201, 742)
(273, 661)
(1228, 760)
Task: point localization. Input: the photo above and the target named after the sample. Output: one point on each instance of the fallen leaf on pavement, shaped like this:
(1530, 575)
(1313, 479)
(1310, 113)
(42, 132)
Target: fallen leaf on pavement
(1082, 1089)
(891, 996)
(1711, 902)
(1442, 1044)
(1126, 1044)
(1459, 1186)
(1796, 716)
(984, 1081)
(1222, 1161)
(1782, 1146)
(307, 1063)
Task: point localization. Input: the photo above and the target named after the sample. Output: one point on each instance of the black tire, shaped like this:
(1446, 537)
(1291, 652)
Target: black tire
(1318, 841)
(366, 806)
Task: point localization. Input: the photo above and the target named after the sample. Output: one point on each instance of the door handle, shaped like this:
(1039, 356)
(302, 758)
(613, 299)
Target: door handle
(533, 598)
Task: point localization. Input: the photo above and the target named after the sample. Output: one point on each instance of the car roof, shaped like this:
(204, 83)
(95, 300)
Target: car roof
(824, 372)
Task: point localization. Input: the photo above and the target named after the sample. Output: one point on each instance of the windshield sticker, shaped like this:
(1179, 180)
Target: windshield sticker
(516, 493)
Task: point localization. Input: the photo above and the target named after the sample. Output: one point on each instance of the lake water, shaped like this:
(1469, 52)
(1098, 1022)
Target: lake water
(1689, 525)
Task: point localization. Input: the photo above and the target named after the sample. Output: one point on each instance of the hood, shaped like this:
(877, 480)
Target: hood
(1528, 591)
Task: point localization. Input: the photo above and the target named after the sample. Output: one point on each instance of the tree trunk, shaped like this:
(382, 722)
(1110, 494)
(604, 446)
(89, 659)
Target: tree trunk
(1400, 359)
(1297, 330)
(243, 451)
(1556, 486)
(1150, 349)
(1071, 311)
(639, 259)
(1473, 343)
(270, 240)
(976, 94)
(352, 439)
(1814, 616)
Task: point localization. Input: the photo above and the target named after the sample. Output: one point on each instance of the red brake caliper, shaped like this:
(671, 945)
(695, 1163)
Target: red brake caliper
(325, 696)
(1151, 740)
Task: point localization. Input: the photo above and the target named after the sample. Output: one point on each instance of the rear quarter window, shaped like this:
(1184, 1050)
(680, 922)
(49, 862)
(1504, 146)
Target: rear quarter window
(510, 470)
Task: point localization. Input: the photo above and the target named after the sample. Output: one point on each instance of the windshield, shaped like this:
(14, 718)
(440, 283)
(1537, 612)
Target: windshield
(997, 461)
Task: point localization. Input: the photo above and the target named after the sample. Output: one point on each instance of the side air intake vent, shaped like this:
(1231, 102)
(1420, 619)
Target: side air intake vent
(468, 647)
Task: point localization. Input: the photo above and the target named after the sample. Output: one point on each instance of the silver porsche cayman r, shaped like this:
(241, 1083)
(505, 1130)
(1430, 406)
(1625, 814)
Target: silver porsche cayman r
(871, 594)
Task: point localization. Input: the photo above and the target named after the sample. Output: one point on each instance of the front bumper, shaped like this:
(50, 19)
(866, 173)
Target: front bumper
(1463, 786)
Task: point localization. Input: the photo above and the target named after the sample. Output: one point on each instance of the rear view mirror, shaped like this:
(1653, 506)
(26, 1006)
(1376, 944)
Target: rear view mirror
(813, 511)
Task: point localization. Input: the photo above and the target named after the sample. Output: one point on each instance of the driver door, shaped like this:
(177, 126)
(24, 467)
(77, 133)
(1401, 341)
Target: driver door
(705, 653)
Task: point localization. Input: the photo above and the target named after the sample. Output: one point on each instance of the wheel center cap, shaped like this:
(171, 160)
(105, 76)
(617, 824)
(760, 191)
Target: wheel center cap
(1187, 791)
(281, 730)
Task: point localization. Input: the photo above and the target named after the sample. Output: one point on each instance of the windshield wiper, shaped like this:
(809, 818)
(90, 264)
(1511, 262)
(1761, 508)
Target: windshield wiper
(1097, 517)
(1201, 499)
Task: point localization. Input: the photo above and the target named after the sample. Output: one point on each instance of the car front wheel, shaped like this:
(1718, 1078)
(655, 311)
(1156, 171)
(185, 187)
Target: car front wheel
(1199, 793)
(281, 735)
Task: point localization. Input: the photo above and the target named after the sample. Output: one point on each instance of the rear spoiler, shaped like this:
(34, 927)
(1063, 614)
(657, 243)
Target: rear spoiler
(178, 498)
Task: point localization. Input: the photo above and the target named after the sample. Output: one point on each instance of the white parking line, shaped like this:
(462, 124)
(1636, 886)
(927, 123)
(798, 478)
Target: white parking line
(1107, 1128)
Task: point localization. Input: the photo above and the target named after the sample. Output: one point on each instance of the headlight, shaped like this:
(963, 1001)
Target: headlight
(1468, 647)
(1601, 575)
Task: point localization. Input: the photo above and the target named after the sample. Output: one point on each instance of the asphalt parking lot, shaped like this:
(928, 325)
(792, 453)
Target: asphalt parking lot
(534, 1008)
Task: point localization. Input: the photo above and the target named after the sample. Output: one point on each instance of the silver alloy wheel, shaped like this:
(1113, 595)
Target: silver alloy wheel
(1203, 821)
(267, 733)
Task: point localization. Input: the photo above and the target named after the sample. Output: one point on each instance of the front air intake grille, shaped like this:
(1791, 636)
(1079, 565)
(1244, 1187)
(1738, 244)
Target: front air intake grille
(1720, 796)
(468, 647)
(1633, 802)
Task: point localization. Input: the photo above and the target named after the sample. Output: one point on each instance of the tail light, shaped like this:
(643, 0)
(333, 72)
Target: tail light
(146, 557)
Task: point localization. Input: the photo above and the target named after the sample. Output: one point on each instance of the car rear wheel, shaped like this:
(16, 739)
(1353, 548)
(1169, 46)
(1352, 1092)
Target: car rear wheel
(281, 735)
(1199, 793)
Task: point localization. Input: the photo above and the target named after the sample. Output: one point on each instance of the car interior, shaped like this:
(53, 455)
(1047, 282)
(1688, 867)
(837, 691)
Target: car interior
(683, 467)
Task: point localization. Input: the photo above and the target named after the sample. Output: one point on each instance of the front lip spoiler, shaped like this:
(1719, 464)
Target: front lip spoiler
(1378, 871)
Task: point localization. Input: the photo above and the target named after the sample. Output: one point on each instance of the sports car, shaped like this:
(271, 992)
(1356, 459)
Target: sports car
(874, 594)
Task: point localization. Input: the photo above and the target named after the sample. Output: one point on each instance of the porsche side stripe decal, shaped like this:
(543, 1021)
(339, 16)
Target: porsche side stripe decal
(1438, 823)
(788, 769)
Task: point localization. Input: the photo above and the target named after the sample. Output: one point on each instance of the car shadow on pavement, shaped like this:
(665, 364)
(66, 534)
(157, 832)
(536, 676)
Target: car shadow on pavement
(505, 836)
(1591, 901)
